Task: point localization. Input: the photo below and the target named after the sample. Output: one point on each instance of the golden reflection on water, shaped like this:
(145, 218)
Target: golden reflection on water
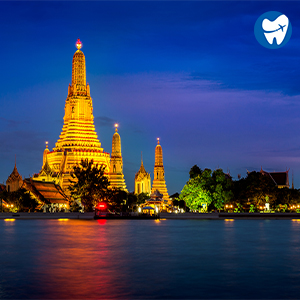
(78, 260)
(138, 259)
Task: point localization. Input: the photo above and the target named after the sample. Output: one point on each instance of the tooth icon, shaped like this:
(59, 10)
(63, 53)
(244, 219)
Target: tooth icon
(276, 29)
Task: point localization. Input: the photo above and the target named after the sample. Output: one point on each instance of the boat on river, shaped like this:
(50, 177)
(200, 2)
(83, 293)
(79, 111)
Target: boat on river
(102, 211)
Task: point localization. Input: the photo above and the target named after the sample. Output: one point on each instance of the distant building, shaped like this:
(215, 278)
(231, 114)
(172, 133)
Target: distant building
(14, 181)
(2, 187)
(281, 179)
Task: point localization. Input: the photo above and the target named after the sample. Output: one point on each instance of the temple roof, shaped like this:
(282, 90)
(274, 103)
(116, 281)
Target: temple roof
(279, 178)
(156, 194)
(46, 192)
(14, 176)
(142, 172)
(46, 169)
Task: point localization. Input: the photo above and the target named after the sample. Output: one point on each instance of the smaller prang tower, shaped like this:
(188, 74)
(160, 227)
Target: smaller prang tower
(116, 176)
(159, 182)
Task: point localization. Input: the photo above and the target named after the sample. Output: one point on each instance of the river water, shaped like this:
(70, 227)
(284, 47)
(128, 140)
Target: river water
(148, 259)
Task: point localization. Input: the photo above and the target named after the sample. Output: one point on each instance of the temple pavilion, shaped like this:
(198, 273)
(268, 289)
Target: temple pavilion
(157, 202)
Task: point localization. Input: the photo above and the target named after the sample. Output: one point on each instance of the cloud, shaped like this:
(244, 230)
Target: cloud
(13, 123)
(104, 121)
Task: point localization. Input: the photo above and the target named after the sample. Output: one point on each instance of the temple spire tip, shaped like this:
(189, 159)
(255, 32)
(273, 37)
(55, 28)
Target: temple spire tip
(78, 44)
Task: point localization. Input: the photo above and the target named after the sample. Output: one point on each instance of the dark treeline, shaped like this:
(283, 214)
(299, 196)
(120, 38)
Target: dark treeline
(209, 190)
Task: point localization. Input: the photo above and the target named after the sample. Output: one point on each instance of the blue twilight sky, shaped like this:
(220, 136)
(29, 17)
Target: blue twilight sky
(191, 73)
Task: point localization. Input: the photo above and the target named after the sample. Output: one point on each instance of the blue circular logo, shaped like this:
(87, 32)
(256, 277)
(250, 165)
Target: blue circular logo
(273, 29)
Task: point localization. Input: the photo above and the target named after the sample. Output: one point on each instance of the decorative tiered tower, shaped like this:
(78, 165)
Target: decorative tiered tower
(78, 139)
(142, 181)
(14, 181)
(159, 182)
(116, 175)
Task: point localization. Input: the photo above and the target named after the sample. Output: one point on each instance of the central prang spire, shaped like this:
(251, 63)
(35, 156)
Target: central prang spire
(78, 139)
(79, 86)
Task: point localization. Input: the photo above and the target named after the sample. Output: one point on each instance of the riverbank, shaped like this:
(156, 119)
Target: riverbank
(224, 216)
(40, 215)
(173, 216)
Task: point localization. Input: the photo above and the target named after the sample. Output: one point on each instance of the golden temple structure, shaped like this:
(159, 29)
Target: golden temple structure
(142, 181)
(116, 176)
(159, 182)
(78, 139)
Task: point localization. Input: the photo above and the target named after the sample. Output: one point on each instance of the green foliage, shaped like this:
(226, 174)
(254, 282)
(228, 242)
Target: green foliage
(142, 197)
(195, 171)
(212, 188)
(75, 207)
(217, 189)
(195, 192)
(117, 200)
(20, 199)
(132, 200)
(222, 189)
(89, 184)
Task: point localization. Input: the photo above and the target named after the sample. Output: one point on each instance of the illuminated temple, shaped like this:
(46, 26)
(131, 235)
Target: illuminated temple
(78, 139)
(142, 181)
(159, 182)
(116, 176)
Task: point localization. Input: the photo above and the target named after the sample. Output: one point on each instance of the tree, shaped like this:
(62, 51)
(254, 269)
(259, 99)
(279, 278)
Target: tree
(207, 189)
(258, 186)
(90, 184)
(117, 199)
(195, 171)
(222, 189)
(20, 200)
(195, 193)
(142, 197)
